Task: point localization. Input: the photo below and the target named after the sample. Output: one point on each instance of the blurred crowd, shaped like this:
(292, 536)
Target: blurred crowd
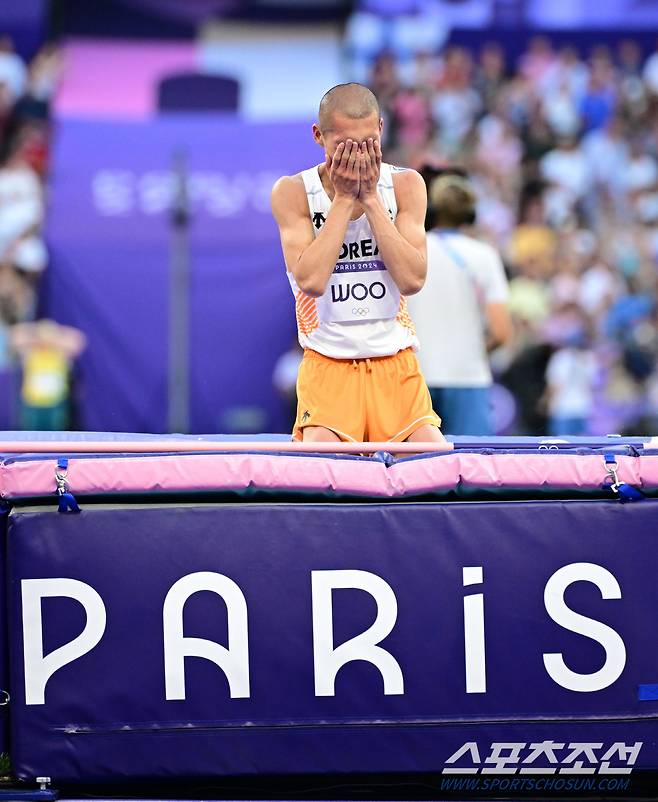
(44, 350)
(25, 94)
(562, 148)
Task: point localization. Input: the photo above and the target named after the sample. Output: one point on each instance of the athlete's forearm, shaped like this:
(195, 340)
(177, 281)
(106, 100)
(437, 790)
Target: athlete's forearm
(405, 263)
(317, 262)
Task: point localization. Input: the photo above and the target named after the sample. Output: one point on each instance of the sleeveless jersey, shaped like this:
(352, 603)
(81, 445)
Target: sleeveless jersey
(361, 313)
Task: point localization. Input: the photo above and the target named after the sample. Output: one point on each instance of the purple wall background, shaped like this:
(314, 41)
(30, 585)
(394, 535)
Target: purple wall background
(109, 235)
(25, 22)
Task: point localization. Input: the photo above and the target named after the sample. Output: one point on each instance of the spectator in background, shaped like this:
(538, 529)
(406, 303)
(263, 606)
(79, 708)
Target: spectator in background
(43, 76)
(566, 70)
(537, 139)
(384, 80)
(560, 110)
(606, 152)
(21, 200)
(47, 352)
(284, 380)
(17, 298)
(600, 99)
(13, 72)
(25, 95)
(461, 312)
(533, 244)
(599, 286)
(640, 171)
(539, 60)
(650, 73)
(411, 120)
(576, 216)
(404, 28)
(632, 91)
(570, 377)
(456, 103)
(490, 74)
(498, 150)
(566, 168)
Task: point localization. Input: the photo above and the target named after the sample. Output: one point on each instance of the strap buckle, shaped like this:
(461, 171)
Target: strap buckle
(67, 502)
(615, 484)
(622, 490)
(611, 472)
(60, 482)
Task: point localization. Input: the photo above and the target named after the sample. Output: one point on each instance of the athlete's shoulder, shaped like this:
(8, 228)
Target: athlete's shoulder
(288, 194)
(406, 178)
(288, 183)
(397, 169)
(409, 187)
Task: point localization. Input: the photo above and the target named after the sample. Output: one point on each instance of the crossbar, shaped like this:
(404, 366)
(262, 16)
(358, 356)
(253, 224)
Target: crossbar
(197, 446)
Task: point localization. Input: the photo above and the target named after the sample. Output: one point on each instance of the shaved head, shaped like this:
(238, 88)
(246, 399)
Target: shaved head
(354, 101)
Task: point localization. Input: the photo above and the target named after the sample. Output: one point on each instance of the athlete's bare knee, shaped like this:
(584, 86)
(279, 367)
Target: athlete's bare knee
(319, 434)
(427, 433)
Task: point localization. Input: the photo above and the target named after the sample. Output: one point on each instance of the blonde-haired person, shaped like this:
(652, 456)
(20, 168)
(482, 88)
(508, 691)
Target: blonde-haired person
(461, 313)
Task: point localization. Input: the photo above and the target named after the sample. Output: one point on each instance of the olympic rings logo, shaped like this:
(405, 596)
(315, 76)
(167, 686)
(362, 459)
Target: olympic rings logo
(359, 310)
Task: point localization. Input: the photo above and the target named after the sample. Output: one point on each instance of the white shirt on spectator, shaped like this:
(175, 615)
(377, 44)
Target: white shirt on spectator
(598, 287)
(561, 113)
(568, 169)
(463, 276)
(13, 73)
(570, 374)
(641, 172)
(454, 111)
(21, 203)
(574, 74)
(607, 157)
(30, 254)
(650, 73)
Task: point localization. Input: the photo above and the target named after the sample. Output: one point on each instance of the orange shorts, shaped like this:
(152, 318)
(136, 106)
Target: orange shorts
(377, 400)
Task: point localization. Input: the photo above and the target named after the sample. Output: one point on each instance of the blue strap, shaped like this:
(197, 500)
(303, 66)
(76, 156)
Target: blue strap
(456, 257)
(66, 499)
(623, 490)
(630, 493)
(67, 503)
(384, 456)
(647, 692)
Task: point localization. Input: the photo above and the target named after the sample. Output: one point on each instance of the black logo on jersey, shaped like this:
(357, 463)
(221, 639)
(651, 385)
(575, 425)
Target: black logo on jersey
(306, 416)
(318, 219)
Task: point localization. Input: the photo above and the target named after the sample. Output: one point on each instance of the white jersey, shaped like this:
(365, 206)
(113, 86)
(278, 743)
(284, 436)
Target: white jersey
(463, 277)
(361, 313)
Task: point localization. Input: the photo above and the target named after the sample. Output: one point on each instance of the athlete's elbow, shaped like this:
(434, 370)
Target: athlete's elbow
(313, 292)
(311, 287)
(412, 285)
